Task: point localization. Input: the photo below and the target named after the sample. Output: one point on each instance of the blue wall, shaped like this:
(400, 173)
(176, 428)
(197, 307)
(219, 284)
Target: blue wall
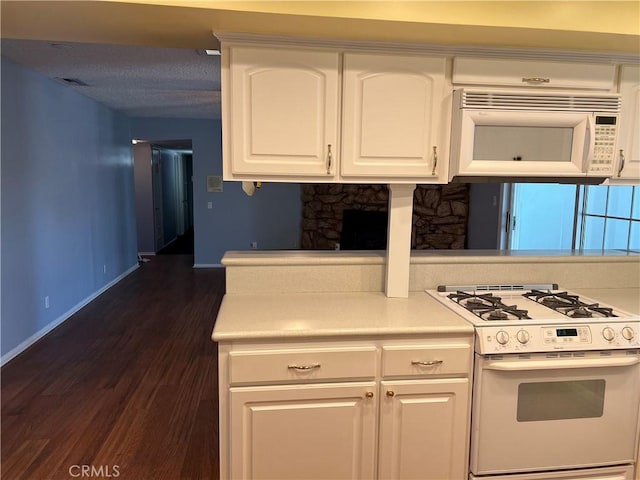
(271, 217)
(67, 202)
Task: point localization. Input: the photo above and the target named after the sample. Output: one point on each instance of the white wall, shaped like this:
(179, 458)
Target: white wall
(67, 202)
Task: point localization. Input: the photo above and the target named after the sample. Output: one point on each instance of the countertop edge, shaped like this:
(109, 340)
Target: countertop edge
(418, 257)
(343, 333)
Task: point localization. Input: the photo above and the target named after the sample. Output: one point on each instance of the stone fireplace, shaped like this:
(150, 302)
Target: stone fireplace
(439, 215)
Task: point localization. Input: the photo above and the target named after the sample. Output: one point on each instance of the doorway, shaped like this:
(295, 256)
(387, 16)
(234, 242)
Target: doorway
(539, 216)
(164, 197)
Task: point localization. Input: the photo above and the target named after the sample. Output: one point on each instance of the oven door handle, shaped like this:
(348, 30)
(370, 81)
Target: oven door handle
(554, 364)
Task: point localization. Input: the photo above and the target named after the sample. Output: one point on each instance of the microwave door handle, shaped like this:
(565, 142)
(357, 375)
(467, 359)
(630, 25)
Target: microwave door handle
(621, 163)
(560, 363)
(592, 143)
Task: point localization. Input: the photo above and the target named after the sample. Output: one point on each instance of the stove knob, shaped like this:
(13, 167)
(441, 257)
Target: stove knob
(628, 333)
(522, 336)
(502, 337)
(608, 333)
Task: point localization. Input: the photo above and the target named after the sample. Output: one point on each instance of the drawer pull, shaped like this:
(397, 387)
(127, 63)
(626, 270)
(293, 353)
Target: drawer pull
(429, 363)
(304, 367)
(536, 80)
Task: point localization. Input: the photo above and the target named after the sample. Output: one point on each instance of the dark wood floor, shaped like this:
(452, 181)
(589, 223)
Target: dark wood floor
(127, 385)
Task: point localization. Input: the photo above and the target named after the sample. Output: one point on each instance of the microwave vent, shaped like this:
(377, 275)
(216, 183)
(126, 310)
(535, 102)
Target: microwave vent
(546, 101)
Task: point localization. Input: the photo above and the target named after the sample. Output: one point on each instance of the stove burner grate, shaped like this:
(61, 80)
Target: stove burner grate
(568, 304)
(488, 307)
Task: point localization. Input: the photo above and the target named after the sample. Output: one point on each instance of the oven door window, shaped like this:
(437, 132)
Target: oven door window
(543, 401)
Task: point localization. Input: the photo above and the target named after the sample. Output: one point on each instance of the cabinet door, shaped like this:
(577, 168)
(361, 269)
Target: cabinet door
(394, 117)
(495, 72)
(423, 429)
(283, 112)
(324, 431)
(629, 133)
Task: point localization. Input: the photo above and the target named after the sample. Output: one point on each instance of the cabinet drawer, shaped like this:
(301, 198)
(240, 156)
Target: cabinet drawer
(526, 73)
(301, 364)
(420, 360)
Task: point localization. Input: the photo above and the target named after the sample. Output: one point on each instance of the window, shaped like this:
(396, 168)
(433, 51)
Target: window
(608, 218)
(575, 217)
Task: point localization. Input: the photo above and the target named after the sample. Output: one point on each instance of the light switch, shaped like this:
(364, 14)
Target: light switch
(209, 205)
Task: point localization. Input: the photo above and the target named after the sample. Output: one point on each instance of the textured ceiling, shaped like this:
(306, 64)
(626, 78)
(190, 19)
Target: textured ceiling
(138, 81)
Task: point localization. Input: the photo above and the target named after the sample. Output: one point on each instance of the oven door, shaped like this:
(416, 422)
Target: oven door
(554, 411)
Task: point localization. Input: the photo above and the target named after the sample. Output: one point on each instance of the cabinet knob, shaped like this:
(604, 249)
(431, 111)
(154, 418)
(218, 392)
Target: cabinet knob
(369, 394)
(390, 393)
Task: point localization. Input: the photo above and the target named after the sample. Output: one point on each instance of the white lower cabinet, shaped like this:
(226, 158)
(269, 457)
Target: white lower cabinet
(423, 425)
(363, 410)
(297, 432)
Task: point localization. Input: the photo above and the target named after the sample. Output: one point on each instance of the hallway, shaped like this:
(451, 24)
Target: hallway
(128, 384)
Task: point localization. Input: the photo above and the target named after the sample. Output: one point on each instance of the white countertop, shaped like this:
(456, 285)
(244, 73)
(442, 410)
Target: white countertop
(307, 315)
(627, 299)
(315, 315)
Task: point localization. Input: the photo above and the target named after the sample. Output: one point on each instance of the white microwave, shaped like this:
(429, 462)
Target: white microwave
(533, 136)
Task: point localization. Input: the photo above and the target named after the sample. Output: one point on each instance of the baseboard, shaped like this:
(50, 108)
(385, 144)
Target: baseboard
(208, 265)
(146, 254)
(38, 335)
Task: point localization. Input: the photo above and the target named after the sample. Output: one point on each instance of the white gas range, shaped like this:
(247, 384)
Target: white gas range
(556, 391)
(539, 318)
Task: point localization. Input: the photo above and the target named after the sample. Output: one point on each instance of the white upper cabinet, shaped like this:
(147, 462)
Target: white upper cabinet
(500, 72)
(280, 111)
(395, 117)
(628, 168)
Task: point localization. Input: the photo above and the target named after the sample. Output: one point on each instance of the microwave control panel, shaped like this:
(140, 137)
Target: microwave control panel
(604, 150)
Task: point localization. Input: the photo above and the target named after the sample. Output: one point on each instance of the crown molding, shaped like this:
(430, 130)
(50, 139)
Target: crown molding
(227, 38)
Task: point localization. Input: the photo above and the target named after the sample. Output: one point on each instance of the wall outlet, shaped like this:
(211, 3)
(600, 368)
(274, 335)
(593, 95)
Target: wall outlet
(254, 245)
(46, 301)
(209, 205)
